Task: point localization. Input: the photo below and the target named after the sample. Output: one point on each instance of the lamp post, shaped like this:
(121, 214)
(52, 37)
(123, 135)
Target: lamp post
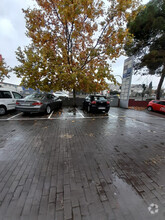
(120, 77)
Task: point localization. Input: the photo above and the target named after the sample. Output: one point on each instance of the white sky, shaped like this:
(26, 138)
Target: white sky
(12, 35)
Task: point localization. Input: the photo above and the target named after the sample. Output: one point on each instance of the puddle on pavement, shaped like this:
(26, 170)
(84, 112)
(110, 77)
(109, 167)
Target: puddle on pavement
(130, 202)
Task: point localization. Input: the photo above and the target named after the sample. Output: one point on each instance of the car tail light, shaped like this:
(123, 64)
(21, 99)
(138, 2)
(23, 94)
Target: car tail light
(17, 103)
(37, 103)
(108, 102)
(93, 102)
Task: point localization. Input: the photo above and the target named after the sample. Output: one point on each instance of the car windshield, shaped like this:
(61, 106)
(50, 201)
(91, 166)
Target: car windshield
(99, 98)
(61, 93)
(35, 96)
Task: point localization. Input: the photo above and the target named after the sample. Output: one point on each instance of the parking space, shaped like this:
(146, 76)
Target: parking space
(69, 113)
(64, 113)
(9, 115)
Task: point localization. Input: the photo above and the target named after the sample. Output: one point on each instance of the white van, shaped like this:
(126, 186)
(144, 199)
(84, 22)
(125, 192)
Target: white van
(8, 100)
(61, 94)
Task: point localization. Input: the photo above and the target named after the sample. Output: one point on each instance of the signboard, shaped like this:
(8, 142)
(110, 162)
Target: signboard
(126, 82)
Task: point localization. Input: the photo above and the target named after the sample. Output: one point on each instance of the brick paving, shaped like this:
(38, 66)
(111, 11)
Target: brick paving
(106, 168)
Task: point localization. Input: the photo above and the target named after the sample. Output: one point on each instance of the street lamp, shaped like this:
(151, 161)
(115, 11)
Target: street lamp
(120, 77)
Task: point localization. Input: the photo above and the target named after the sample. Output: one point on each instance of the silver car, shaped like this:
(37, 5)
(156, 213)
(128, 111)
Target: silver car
(39, 102)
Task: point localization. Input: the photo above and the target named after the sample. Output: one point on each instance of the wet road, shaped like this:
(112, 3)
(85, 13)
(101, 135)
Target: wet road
(83, 166)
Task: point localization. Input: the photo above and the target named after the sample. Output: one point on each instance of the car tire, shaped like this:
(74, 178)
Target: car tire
(3, 110)
(48, 109)
(150, 108)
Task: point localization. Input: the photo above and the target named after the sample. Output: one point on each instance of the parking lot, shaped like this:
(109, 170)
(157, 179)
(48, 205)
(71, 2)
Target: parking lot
(82, 166)
(68, 113)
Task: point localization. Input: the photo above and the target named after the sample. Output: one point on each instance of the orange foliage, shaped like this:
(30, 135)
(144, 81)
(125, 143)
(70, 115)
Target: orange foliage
(73, 42)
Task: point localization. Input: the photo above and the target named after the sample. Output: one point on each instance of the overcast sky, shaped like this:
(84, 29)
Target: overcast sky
(12, 35)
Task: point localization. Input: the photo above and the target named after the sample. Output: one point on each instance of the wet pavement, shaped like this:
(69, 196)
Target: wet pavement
(82, 166)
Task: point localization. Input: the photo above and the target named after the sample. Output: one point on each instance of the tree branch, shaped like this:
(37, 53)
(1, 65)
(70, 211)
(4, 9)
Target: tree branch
(98, 40)
(55, 9)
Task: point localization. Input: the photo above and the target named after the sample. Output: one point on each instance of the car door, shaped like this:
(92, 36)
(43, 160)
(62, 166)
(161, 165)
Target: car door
(7, 99)
(50, 101)
(162, 107)
(156, 106)
(16, 97)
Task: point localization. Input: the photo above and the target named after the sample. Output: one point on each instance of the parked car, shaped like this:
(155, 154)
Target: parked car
(93, 103)
(8, 100)
(39, 102)
(61, 94)
(156, 105)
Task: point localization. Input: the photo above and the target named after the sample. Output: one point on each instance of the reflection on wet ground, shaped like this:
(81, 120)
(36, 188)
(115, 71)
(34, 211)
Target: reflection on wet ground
(94, 166)
(67, 112)
(130, 203)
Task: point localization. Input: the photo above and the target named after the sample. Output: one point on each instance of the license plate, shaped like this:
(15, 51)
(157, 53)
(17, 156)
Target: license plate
(101, 107)
(27, 104)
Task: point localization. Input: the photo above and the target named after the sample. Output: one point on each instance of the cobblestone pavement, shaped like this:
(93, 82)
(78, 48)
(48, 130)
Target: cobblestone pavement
(91, 167)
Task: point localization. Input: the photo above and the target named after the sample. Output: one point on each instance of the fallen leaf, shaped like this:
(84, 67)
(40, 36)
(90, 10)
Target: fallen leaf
(67, 136)
(91, 135)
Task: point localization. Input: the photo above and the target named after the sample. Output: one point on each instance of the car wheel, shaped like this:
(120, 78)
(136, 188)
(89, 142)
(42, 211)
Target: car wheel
(3, 110)
(48, 109)
(150, 108)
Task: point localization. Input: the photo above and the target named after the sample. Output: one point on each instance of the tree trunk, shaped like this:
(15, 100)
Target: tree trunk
(160, 84)
(74, 97)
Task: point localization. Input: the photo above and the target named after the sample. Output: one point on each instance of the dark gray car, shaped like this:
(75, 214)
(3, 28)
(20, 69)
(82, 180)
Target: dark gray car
(39, 102)
(93, 103)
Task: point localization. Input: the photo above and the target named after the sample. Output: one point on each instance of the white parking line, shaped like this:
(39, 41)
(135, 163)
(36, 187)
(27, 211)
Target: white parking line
(113, 116)
(61, 118)
(14, 116)
(51, 114)
(80, 113)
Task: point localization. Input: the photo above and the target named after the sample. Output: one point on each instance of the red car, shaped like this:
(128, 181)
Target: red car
(156, 105)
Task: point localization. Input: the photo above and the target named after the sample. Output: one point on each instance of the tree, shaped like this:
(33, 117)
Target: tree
(73, 42)
(148, 45)
(4, 69)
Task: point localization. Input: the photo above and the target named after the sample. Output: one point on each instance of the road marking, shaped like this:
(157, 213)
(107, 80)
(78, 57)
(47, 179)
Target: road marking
(14, 116)
(51, 114)
(62, 118)
(80, 113)
(113, 116)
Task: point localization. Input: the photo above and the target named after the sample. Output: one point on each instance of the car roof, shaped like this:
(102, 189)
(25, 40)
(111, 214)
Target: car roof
(6, 89)
(159, 100)
(98, 95)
